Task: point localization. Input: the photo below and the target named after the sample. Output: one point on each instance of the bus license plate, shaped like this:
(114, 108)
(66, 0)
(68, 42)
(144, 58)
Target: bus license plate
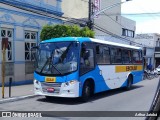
(50, 90)
(50, 79)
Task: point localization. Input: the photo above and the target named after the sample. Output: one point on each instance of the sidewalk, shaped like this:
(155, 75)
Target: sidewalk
(17, 91)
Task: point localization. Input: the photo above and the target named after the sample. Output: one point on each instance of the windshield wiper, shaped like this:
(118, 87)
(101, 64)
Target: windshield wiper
(49, 63)
(44, 65)
(57, 69)
(63, 56)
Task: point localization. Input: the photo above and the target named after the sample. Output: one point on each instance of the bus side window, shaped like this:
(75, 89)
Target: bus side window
(106, 55)
(102, 54)
(116, 55)
(137, 57)
(87, 59)
(126, 56)
(141, 57)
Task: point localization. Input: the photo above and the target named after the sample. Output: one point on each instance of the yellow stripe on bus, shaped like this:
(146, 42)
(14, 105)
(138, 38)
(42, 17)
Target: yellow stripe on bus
(128, 68)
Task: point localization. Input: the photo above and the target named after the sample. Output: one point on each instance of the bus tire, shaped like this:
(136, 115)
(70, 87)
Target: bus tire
(49, 97)
(129, 82)
(86, 92)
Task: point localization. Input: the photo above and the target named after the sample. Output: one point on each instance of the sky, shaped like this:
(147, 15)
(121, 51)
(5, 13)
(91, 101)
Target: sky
(145, 23)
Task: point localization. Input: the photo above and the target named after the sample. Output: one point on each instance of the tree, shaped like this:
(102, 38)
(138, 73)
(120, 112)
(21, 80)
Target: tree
(54, 31)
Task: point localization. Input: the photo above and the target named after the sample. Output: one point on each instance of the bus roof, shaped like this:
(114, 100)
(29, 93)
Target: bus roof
(87, 39)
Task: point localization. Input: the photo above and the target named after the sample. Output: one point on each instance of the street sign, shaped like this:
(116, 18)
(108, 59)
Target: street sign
(4, 43)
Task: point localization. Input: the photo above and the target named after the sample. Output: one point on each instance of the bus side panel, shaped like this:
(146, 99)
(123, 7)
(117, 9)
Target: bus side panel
(106, 77)
(98, 79)
(137, 76)
(114, 78)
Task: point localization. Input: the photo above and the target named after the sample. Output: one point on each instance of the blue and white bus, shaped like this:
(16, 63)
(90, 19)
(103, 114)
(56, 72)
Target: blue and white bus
(81, 66)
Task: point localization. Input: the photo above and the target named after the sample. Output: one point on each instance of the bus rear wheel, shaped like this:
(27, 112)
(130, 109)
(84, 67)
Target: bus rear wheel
(86, 92)
(129, 82)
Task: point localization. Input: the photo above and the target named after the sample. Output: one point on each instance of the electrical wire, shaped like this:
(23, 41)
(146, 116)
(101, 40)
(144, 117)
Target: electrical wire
(116, 36)
(134, 14)
(71, 20)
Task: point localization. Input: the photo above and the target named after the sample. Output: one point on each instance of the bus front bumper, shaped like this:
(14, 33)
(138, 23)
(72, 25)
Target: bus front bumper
(68, 89)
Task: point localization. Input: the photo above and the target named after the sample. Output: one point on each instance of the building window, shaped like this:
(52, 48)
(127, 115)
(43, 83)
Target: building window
(8, 33)
(28, 54)
(128, 33)
(30, 41)
(158, 43)
(29, 35)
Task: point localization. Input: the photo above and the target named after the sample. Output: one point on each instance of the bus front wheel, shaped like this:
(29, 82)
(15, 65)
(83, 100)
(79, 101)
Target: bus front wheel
(86, 92)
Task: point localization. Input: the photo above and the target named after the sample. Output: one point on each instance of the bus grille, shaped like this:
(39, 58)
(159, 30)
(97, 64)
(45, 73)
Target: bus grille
(56, 87)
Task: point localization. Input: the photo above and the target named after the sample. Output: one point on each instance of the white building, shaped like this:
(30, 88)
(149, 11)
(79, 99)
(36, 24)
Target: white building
(77, 9)
(151, 43)
(21, 22)
(108, 25)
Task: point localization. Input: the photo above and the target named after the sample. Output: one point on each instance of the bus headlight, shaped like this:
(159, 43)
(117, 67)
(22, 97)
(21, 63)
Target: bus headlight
(36, 81)
(71, 82)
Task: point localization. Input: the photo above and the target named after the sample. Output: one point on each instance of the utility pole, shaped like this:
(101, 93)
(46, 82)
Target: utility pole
(89, 23)
(4, 47)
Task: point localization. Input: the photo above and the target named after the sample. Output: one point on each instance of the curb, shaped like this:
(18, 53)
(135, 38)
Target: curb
(16, 98)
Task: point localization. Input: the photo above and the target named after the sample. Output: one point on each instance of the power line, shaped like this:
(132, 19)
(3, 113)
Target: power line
(134, 14)
(114, 35)
(72, 20)
(114, 20)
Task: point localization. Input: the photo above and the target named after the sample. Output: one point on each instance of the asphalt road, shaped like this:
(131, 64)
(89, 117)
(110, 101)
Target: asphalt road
(139, 98)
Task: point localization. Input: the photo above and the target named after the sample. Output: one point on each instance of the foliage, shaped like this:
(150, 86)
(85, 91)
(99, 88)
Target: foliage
(54, 31)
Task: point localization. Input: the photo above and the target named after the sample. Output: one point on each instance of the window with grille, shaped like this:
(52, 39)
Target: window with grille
(30, 41)
(29, 55)
(8, 33)
(29, 35)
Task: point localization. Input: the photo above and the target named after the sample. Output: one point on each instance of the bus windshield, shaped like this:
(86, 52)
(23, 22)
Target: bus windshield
(57, 58)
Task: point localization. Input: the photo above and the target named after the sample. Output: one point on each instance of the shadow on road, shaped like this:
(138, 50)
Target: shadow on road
(74, 101)
(113, 92)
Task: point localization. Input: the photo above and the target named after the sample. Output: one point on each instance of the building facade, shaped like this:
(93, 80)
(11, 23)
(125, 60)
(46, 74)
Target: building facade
(111, 25)
(77, 9)
(21, 22)
(151, 44)
(108, 25)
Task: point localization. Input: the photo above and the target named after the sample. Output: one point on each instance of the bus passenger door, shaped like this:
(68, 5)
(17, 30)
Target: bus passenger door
(87, 60)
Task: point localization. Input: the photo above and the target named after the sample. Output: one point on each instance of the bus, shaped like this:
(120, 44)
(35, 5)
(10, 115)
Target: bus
(80, 67)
